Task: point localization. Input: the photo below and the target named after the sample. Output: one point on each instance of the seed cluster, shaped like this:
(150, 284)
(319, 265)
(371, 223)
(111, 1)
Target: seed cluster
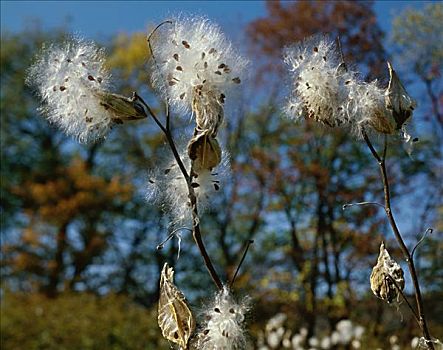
(223, 322)
(325, 90)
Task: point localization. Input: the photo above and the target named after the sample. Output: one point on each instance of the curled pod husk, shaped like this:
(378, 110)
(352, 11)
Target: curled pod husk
(387, 277)
(398, 101)
(204, 152)
(175, 319)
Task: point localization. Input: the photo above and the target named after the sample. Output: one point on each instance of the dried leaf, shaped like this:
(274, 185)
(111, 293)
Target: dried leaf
(175, 319)
(398, 100)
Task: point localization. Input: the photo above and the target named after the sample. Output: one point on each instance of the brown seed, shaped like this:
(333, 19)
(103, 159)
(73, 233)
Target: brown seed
(99, 80)
(182, 96)
(227, 70)
(222, 65)
(347, 82)
(172, 83)
(216, 187)
(179, 68)
(301, 57)
(236, 80)
(54, 88)
(205, 65)
(186, 44)
(232, 311)
(68, 60)
(316, 49)
(203, 55)
(218, 72)
(212, 51)
(175, 335)
(324, 58)
(62, 88)
(90, 77)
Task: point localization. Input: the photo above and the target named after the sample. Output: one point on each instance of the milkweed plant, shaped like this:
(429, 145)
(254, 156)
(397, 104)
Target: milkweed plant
(198, 72)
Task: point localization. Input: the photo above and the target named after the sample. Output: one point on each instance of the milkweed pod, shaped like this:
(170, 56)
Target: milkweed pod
(204, 152)
(120, 107)
(398, 100)
(386, 277)
(208, 108)
(175, 319)
(382, 120)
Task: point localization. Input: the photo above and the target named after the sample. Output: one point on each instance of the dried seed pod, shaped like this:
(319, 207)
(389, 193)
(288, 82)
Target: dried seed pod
(204, 152)
(175, 319)
(383, 275)
(398, 100)
(208, 109)
(120, 107)
(382, 119)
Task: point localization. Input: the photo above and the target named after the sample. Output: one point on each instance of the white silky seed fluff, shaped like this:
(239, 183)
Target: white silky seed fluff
(325, 90)
(196, 64)
(223, 325)
(319, 82)
(66, 77)
(167, 187)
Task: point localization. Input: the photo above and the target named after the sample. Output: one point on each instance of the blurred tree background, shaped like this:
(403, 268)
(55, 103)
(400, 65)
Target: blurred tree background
(80, 267)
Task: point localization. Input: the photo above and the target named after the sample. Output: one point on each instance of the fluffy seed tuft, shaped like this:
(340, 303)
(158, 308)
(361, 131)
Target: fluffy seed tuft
(223, 324)
(68, 78)
(196, 68)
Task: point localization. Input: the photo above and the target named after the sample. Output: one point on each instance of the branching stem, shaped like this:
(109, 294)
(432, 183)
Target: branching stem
(406, 254)
(196, 233)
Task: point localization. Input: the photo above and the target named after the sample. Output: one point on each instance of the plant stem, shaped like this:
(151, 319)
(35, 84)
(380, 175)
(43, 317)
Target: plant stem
(406, 254)
(196, 233)
(198, 239)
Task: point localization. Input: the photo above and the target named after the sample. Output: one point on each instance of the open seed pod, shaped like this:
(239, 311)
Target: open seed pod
(204, 152)
(120, 107)
(383, 275)
(175, 319)
(398, 100)
(207, 105)
(382, 120)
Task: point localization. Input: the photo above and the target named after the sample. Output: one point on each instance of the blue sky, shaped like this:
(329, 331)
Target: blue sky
(103, 19)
